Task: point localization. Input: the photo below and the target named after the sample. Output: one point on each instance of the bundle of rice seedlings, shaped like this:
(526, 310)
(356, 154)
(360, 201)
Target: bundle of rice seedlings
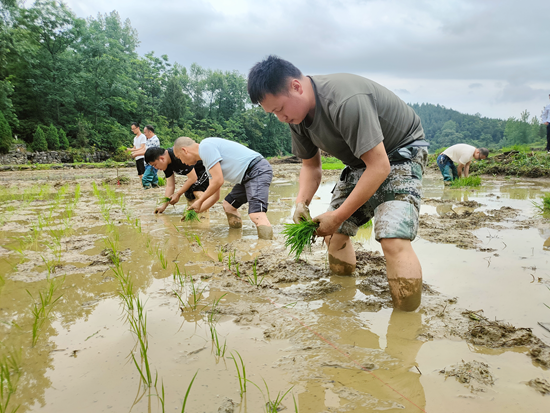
(190, 215)
(164, 199)
(299, 236)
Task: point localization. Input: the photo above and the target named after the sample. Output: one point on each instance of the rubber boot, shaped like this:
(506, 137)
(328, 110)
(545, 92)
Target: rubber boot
(265, 232)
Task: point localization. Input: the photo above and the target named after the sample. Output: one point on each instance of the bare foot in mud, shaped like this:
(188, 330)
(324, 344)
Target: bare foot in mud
(234, 221)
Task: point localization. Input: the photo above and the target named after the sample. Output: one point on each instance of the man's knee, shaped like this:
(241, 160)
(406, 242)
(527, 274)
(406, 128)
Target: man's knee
(394, 246)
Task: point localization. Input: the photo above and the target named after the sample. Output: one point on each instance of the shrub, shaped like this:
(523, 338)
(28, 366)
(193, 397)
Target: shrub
(52, 138)
(63, 141)
(121, 155)
(39, 143)
(6, 137)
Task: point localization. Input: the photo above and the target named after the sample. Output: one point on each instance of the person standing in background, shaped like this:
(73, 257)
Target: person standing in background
(150, 178)
(139, 145)
(545, 117)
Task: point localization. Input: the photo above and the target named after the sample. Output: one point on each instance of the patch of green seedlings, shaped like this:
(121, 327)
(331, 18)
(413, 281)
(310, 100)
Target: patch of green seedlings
(299, 236)
(466, 182)
(272, 406)
(212, 320)
(241, 372)
(254, 279)
(231, 259)
(10, 373)
(162, 181)
(43, 306)
(190, 215)
(544, 205)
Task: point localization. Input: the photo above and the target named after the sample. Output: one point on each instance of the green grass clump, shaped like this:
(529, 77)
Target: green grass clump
(330, 163)
(299, 236)
(470, 181)
(544, 204)
(190, 215)
(162, 181)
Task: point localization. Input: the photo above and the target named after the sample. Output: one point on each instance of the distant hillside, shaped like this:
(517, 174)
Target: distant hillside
(445, 127)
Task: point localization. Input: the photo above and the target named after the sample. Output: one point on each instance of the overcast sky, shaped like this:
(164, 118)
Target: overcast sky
(486, 56)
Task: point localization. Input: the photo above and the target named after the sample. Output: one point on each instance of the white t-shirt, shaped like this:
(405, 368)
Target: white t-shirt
(138, 140)
(460, 153)
(233, 157)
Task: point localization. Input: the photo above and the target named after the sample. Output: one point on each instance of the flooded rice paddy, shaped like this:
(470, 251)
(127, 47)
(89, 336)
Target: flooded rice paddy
(106, 307)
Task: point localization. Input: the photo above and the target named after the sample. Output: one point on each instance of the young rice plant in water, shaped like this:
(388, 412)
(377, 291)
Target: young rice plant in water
(299, 236)
(190, 215)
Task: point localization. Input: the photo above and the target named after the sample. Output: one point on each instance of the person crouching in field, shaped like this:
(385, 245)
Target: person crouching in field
(197, 177)
(463, 155)
(230, 161)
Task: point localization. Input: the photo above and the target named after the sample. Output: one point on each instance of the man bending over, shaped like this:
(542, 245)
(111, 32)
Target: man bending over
(381, 141)
(235, 163)
(197, 177)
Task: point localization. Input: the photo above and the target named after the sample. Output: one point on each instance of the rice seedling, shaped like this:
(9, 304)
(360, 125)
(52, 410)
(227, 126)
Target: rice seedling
(544, 205)
(196, 294)
(253, 279)
(162, 181)
(237, 272)
(10, 373)
(190, 215)
(464, 182)
(161, 255)
(214, 311)
(42, 308)
(219, 348)
(187, 393)
(231, 259)
(241, 372)
(272, 406)
(299, 236)
(164, 199)
(138, 326)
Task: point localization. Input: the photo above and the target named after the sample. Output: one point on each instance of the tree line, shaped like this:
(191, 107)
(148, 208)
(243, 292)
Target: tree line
(72, 82)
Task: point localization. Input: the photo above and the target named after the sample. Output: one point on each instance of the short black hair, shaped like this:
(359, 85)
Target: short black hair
(150, 127)
(484, 152)
(152, 154)
(270, 76)
(135, 124)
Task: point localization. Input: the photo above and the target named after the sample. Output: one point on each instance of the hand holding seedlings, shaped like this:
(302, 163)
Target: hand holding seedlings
(327, 223)
(165, 200)
(299, 236)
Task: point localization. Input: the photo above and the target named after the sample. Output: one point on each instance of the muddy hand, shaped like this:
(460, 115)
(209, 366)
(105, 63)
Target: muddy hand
(174, 199)
(301, 213)
(328, 224)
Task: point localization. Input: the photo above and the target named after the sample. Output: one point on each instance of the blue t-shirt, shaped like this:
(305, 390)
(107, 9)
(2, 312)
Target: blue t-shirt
(233, 157)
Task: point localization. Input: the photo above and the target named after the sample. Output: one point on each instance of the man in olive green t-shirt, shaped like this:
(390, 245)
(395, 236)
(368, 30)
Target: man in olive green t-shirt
(381, 141)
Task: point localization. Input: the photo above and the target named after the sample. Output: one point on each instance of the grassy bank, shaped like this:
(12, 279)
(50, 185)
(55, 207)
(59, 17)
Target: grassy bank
(76, 165)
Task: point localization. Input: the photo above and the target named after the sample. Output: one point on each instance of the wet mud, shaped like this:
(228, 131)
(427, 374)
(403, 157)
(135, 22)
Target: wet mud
(334, 338)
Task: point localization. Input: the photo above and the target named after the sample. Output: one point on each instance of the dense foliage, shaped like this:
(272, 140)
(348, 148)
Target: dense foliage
(82, 82)
(85, 78)
(446, 127)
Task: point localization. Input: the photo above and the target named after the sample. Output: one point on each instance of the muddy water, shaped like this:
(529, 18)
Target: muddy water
(334, 340)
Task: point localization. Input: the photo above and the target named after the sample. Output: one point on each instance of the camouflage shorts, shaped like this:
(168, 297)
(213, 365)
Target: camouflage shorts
(395, 205)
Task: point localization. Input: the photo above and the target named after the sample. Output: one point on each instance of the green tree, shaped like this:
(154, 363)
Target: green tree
(52, 138)
(39, 143)
(520, 131)
(63, 141)
(173, 103)
(6, 137)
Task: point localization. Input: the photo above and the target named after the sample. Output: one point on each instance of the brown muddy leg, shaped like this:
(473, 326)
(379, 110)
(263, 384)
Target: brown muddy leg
(406, 293)
(404, 273)
(234, 221)
(341, 255)
(265, 232)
